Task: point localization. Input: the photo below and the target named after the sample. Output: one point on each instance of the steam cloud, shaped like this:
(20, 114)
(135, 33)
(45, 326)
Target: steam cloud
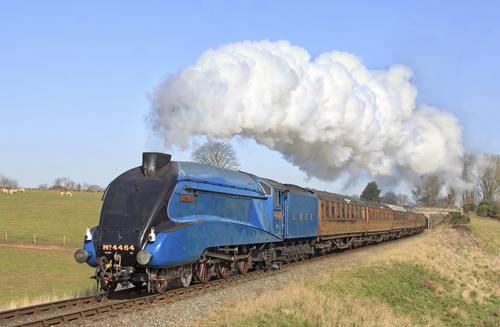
(327, 115)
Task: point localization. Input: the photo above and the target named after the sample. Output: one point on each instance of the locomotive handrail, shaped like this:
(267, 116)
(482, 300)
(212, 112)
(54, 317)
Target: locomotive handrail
(196, 180)
(199, 189)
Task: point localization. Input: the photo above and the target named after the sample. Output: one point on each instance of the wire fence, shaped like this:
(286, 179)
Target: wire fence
(9, 237)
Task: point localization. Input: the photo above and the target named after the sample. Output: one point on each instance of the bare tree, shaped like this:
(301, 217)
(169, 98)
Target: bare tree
(488, 182)
(403, 200)
(390, 198)
(64, 183)
(428, 191)
(469, 196)
(43, 186)
(451, 199)
(6, 182)
(217, 154)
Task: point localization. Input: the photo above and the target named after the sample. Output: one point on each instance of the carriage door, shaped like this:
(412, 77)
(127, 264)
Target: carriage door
(278, 212)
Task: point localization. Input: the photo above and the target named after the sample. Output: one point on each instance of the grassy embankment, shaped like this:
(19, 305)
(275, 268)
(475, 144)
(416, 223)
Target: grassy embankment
(30, 276)
(442, 278)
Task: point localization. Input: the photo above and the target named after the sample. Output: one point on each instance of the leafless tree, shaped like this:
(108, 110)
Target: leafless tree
(43, 186)
(427, 193)
(451, 199)
(469, 196)
(6, 182)
(390, 198)
(64, 183)
(488, 182)
(217, 154)
(403, 200)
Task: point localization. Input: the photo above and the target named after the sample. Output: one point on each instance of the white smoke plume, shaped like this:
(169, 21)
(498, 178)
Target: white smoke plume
(327, 115)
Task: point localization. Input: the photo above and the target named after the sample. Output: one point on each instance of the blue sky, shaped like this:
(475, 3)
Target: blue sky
(75, 77)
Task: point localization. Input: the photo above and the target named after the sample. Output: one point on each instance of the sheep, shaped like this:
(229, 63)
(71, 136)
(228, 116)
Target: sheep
(69, 194)
(21, 190)
(62, 193)
(14, 190)
(5, 191)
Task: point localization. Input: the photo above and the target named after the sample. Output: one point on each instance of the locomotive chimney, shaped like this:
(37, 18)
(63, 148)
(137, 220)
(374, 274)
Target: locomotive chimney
(154, 161)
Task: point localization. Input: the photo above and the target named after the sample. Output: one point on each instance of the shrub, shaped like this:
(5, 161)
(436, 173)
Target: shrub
(469, 207)
(459, 218)
(487, 209)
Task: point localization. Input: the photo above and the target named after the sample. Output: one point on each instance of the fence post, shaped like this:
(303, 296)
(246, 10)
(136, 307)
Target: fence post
(64, 240)
(34, 238)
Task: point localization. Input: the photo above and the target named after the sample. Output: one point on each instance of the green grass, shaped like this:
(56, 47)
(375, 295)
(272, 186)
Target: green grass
(49, 216)
(416, 291)
(39, 274)
(488, 231)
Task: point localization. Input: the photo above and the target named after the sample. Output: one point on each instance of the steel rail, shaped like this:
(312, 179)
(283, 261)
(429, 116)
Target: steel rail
(50, 306)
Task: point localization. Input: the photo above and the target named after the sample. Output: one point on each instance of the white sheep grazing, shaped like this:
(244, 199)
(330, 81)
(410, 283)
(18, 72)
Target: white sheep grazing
(21, 190)
(5, 191)
(15, 190)
(69, 194)
(62, 193)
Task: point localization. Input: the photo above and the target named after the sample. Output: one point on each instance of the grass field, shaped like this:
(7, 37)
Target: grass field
(49, 216)
(488, 231)
(30, 276)
(444, 278)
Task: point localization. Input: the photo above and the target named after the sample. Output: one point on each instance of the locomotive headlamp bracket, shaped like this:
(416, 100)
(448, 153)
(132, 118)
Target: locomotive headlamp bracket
(88, 235)
(152, 235)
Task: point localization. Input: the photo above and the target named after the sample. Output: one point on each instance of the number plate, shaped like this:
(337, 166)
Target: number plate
(121, 247)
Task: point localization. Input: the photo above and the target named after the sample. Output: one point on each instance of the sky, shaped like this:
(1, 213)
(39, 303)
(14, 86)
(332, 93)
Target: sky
(76, 77)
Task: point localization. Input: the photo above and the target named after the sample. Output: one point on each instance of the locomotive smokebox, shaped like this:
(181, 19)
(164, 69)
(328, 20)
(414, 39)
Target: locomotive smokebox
(154, 161)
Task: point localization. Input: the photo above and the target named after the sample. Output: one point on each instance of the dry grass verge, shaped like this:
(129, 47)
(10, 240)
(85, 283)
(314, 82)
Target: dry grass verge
(442, 278)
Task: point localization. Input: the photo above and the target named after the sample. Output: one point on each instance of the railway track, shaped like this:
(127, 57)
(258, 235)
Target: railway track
(65, 311)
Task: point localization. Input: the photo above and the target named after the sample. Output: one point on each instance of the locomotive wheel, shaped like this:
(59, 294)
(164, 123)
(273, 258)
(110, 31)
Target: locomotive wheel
(187, 277)
(243, 266)
(203, 272)
(160, 282)
(160, 286)
(224, 269)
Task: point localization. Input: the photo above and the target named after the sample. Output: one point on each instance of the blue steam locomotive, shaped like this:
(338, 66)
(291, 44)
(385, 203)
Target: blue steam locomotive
(169, 221)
